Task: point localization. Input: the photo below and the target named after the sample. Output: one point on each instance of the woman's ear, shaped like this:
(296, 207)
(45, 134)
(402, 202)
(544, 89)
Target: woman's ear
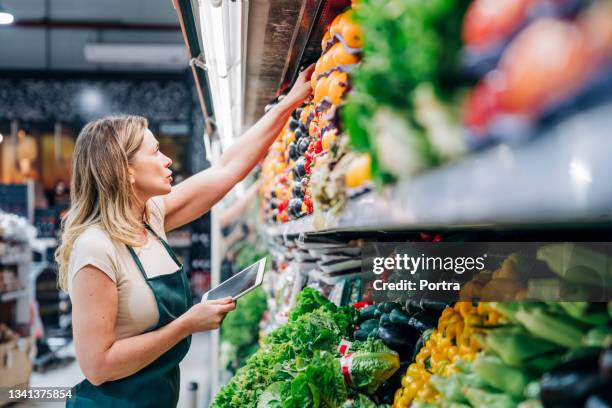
(131, 176)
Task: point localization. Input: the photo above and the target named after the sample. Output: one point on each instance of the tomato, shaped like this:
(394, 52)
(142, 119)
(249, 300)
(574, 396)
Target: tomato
(488, 21)
(548, 60)
(482, 104)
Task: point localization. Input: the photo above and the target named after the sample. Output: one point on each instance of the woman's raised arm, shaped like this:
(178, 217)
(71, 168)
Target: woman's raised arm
(196, 195)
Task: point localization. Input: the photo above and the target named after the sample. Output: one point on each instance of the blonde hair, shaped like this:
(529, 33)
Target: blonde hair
(100, 191)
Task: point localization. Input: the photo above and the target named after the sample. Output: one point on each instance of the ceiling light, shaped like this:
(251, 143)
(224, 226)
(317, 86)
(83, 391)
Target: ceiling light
(5, 17)
(152, 55)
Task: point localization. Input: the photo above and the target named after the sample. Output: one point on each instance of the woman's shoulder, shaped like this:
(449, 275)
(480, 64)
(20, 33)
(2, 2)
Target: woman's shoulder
(94, 238)
(93, 247)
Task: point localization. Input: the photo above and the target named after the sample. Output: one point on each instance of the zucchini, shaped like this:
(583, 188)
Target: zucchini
(373, 333)
(361, 334)
(368, 312)
(368, 325)
(387, 307)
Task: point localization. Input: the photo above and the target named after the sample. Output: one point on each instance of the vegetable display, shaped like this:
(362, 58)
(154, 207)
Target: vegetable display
(299, 364)
(240, 328)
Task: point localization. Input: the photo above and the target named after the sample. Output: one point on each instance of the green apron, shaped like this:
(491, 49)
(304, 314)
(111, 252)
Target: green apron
(158, 384)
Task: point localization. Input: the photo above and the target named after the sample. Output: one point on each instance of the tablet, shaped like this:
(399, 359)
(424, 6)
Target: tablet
(239, 284)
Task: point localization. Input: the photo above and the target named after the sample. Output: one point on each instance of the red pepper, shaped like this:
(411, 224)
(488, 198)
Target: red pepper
(361, 305)
(283, 205)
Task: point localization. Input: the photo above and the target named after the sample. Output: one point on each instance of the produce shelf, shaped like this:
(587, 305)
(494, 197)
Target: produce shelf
(560, 176)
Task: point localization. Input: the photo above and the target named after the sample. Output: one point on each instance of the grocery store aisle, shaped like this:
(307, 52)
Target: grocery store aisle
(194, 368)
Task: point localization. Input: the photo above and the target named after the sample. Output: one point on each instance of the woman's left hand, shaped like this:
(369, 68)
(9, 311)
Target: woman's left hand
(301, 89)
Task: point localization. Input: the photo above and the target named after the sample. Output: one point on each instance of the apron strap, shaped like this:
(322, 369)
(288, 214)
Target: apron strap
(138, 263)
(165, 244)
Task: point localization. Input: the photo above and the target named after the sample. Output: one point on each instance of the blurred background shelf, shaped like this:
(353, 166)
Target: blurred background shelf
(9, 296)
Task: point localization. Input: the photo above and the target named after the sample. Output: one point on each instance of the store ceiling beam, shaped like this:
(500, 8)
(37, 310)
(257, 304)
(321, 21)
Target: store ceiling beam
(94, 25)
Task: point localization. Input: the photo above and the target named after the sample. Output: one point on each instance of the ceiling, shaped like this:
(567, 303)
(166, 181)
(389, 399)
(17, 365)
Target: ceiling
(52, 34)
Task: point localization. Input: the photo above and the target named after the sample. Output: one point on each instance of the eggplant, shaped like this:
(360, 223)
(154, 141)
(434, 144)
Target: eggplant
(298, 134)
(419, 325)
(569, 389)
(399, 337)
(605, 363)
(433, 305)
(569, 384)
(598, 401)
(397, 316)
(428, 318)
(386, 391)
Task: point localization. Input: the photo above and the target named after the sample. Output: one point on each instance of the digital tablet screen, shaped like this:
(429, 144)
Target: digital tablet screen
(236, 284)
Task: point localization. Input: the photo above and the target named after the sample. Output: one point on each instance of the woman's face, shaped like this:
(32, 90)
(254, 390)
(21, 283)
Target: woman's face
(150, 171)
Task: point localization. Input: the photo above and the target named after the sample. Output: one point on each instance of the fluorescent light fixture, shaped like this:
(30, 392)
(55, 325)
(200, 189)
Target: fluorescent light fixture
(5, 17)
(154, 55)
(223, 29)
(220, 39)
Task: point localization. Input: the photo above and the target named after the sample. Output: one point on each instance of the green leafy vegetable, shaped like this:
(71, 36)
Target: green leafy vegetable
(371, 364)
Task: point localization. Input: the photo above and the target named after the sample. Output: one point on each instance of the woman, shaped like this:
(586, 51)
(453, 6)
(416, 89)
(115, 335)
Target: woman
(131, 304)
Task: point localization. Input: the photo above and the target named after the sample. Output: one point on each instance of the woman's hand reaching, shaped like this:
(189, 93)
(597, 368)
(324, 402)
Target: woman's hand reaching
(301, 89)
(207, 315)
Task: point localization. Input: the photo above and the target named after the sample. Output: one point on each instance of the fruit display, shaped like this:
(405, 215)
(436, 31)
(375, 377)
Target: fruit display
(404, 106)
(440, 78)
(522, 87)
(301, 169)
